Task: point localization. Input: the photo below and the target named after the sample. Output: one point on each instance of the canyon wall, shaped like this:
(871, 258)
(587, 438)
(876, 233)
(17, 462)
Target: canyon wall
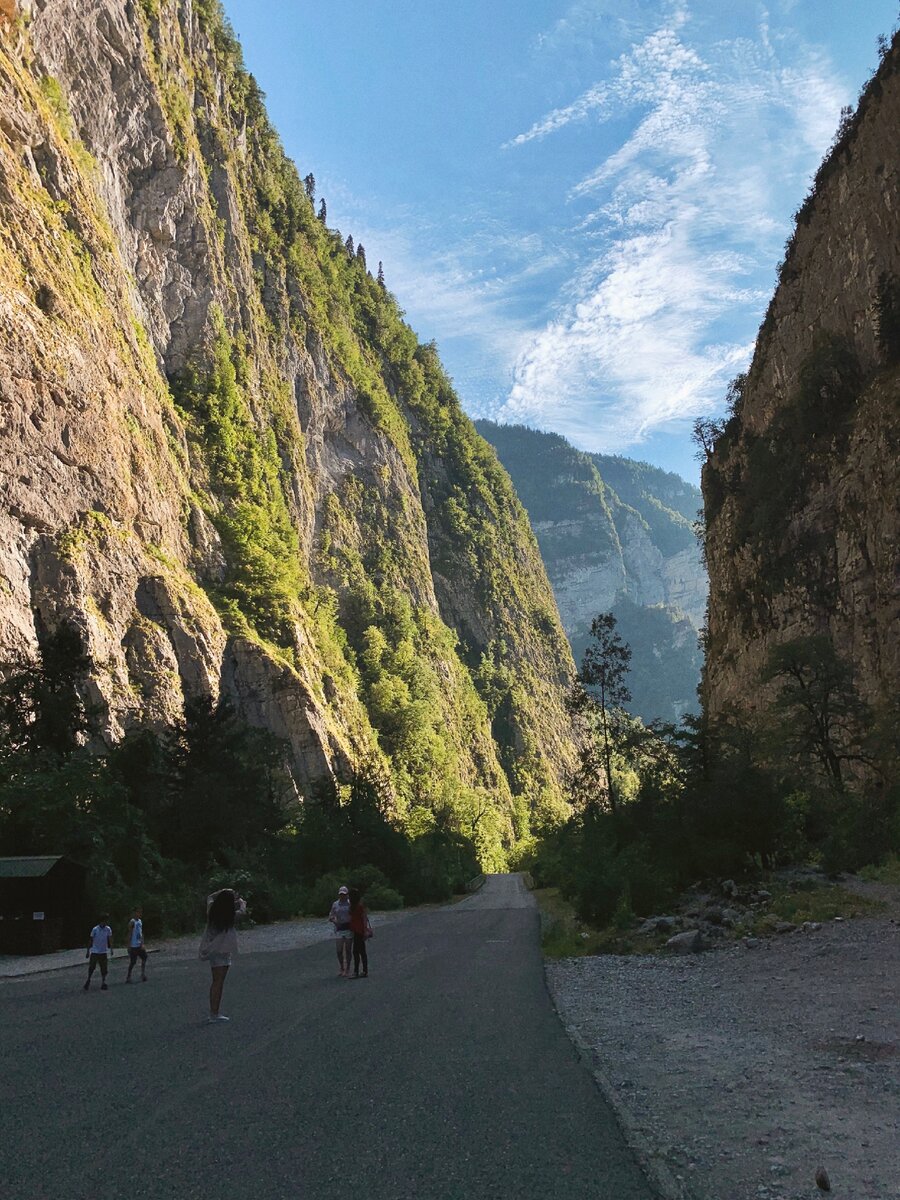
(801, 485)
(223, 456)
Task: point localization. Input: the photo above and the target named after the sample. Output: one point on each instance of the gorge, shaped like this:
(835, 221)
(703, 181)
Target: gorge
(226, 461)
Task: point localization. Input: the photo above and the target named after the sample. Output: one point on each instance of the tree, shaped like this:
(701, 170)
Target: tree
(323, 211)
(348, 245)
(361, 255)
(227, 784)
(603, 669)
(381, 274)
(819, 715)
(734, 397)
(309, 184)
(41, 707)
(705, 434)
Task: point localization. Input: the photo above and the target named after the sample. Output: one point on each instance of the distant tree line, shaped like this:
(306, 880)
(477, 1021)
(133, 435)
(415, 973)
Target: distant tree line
(658, 807)
(165, 814)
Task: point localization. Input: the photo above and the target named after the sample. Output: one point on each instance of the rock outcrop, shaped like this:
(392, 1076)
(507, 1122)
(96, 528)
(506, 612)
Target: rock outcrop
(801, 486)
(223, 456)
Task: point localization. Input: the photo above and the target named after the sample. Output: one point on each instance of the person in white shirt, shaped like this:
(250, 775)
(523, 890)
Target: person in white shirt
(136, 946)
(219, 942)
(340, 919)
(98, 951)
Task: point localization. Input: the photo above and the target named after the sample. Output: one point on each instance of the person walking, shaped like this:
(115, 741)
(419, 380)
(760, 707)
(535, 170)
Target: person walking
(362, 931)
(219, 943)
(136, 946)
(99, 949)
(340, 919)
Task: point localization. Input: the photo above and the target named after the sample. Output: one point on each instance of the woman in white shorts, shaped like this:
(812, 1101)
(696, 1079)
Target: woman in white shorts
(219, 942)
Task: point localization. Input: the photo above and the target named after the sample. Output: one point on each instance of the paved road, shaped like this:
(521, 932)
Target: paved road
(445, 1075)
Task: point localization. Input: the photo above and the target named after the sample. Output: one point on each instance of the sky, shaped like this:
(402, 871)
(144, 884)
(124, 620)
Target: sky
(583, 202)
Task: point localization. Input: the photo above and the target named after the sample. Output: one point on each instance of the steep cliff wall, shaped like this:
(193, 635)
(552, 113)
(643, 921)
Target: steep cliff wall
(223, 454)
(616, 535)
(801, 487)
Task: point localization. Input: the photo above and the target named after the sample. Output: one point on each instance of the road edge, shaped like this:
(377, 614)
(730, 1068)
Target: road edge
(652, 1163)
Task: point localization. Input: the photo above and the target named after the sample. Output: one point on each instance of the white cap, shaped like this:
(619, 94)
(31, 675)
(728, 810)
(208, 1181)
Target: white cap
(342, 891)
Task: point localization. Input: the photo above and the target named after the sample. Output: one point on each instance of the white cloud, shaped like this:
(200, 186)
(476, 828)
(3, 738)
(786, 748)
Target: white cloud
(687, 212)
(461, 289)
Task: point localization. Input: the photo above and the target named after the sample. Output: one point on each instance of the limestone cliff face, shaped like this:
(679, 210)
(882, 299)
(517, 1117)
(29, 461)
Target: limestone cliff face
(616, 535)
(801, 487)
(222, 453)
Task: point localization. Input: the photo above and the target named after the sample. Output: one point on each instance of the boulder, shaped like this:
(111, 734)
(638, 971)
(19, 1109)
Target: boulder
(689, 942)
(659, 925)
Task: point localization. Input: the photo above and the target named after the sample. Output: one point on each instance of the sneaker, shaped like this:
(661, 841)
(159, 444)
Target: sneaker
(104, 987)
(87, 986)
(143, 979)
(213, 1017)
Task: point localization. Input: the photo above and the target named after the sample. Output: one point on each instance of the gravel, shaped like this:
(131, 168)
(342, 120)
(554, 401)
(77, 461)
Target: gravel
(740, 1072)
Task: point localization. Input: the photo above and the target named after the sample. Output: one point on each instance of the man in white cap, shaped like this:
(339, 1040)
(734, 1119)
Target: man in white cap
(340, 919)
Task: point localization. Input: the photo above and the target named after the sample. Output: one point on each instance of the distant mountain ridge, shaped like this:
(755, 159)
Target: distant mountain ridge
(616, 535)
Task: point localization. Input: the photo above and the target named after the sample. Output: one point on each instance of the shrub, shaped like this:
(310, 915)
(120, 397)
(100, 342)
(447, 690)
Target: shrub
(369, 879)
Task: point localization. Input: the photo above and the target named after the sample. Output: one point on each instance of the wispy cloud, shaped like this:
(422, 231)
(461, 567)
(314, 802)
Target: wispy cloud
(588, 25)
(685, 217)
(462, 289)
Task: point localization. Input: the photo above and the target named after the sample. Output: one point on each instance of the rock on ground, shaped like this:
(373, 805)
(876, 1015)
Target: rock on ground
(747, 1070)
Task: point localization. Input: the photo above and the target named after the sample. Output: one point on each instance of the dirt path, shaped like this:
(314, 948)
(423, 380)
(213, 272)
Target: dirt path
(745, 1070)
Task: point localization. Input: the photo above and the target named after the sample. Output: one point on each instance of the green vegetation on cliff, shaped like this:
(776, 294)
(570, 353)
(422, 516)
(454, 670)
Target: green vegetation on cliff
(422, 597)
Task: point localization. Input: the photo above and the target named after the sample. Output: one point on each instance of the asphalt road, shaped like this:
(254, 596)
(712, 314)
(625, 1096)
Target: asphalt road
(445, 1075)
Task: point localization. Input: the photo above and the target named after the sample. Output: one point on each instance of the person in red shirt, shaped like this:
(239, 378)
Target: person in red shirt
(361, 929)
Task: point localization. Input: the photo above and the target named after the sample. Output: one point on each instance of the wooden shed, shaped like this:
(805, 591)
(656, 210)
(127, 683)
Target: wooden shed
(41, 904)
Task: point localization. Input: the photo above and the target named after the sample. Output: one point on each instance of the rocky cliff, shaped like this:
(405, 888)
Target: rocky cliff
(223, 455)
(801, 486)
(616, 535)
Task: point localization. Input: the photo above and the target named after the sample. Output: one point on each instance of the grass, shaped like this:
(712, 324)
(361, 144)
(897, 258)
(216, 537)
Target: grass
(886, 872)
(812, 901)
(563, 935)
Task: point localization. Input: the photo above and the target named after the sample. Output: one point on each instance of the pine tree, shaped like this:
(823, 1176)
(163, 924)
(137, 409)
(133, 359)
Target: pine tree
(348, 245)
(323, 211)
(309, 184)
(381, 274)
(41, 706)
(361, 255)
(604, 668)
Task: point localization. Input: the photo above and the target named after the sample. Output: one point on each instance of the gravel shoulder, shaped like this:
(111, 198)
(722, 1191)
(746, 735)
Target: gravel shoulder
(280, 935)
(741, 1071)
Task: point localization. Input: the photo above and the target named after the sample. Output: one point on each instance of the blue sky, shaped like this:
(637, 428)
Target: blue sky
(582, 201)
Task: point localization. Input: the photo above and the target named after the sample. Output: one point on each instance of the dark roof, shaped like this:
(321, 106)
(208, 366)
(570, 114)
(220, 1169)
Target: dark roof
(28, 867)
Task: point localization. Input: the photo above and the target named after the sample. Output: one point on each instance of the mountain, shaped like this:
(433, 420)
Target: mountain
(224, 457)
(616, 535)
(801, 483)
